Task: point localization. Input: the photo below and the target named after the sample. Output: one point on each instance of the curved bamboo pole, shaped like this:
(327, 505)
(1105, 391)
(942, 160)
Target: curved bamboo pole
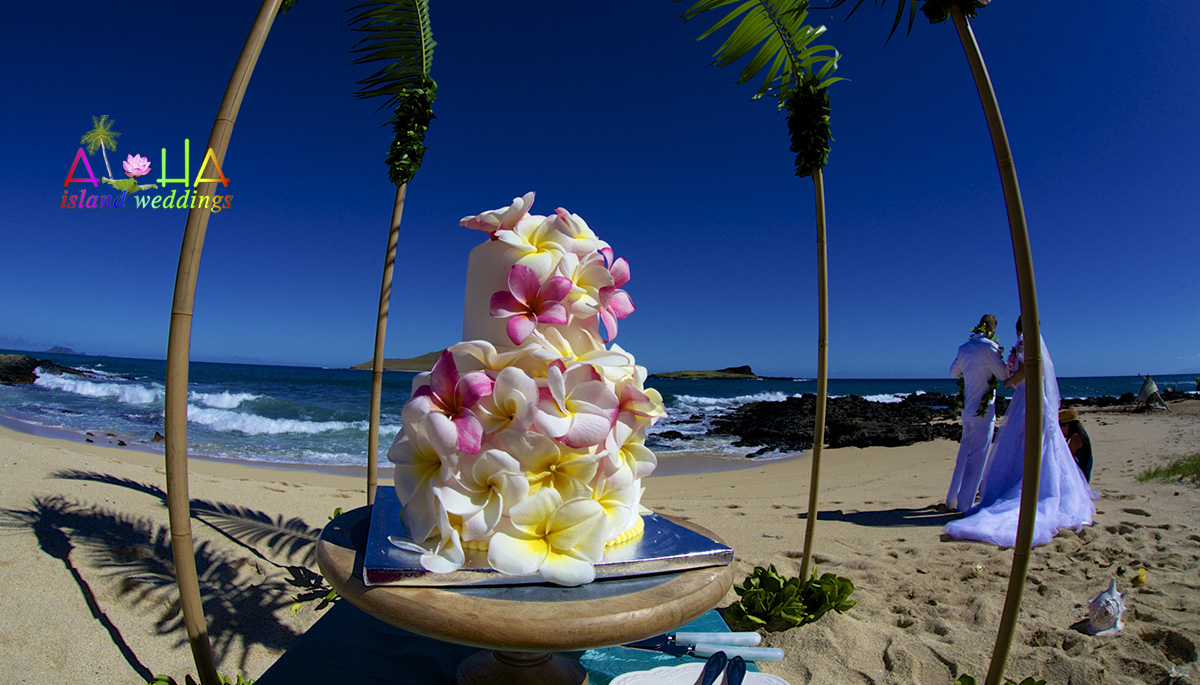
(1023, 256)
(810, 524)
(178, 349)
(385, 296)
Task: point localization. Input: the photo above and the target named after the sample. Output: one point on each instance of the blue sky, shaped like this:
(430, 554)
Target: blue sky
(613, 111)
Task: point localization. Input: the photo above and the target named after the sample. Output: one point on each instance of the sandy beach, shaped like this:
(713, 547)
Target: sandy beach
(88, 596)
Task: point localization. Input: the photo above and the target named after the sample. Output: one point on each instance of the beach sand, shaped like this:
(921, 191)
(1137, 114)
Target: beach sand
(87, 593)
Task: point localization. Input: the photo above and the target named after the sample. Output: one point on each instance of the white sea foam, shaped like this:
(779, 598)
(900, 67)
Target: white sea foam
(886, 398)
(697, 401)
(222, 400)
(126, 393)
(227, 421)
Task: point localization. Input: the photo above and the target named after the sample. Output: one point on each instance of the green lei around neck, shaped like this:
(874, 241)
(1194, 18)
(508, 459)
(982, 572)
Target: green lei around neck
(993, 382)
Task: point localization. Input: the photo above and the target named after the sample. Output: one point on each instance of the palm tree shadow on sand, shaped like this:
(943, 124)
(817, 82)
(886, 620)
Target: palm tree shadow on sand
(241, 593)
(900, 516)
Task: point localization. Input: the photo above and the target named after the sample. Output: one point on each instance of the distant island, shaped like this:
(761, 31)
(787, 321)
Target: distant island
(61, 350)
(733, 373)
(416, 364)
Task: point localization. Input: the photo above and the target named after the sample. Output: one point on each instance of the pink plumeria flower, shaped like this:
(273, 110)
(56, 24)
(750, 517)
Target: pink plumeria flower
(576, 407)
(614, 302)
(136, 165)
(502, 219)
(530, 302)
(446, 403)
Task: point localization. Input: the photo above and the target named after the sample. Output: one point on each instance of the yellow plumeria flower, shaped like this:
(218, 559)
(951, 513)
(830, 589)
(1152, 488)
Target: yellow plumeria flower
(561, 541)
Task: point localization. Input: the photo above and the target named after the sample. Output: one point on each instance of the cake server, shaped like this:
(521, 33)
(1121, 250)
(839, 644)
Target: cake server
(707, 644)
(714, 667)
(735, 672)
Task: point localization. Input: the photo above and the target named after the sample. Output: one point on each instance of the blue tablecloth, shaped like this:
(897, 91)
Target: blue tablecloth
(348, 645)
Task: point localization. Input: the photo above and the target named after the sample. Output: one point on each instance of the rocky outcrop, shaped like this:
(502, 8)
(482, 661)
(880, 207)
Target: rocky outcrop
(849, 422)
(18, 368)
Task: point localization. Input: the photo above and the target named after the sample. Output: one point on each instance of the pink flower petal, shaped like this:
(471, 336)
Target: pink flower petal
(470, 433)
(555, 289)
(444, 377)
(620, 304)
(620, 272)
(523, 283)
(610, 325)
(504, 304)
(472, 387)
(519, 327)
(552, 313)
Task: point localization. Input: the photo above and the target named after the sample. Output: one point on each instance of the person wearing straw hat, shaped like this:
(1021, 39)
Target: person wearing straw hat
(978, 363)
(1077, 440)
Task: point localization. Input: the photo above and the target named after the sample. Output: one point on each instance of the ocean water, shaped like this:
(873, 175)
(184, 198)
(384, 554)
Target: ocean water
(318, 417)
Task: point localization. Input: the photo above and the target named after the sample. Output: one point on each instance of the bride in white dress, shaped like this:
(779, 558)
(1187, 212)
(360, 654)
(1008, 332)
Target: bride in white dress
(1064, 498)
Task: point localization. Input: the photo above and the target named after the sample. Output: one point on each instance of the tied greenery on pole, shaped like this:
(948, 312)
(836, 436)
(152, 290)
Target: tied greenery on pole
(777, 39)
(400, 35)
(936, 11)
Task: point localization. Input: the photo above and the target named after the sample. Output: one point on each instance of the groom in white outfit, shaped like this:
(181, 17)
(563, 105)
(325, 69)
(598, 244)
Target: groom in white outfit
(977, 362)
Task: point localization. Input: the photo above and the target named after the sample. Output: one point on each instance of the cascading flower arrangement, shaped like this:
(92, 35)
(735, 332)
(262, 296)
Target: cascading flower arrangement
(531, 445)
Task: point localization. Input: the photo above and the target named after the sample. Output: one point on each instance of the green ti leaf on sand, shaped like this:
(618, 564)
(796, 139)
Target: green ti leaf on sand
(770, 600)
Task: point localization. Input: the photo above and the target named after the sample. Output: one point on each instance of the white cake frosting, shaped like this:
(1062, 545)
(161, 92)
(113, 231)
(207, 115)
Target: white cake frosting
(527, 438)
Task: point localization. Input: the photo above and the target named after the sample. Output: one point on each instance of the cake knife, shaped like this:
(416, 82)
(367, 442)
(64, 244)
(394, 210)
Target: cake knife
(707, 644)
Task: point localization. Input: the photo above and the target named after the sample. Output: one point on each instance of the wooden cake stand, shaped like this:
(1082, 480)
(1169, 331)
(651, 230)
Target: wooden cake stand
(523, 625)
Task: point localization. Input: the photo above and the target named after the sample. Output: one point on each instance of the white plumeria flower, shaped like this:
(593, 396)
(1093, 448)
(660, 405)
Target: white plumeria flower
(626, 448)
(617, 495)
(583, 238)
(562, 541)
(576, 406)
(588, 275)
(441, 553)
(539, 244)
(420, 470)
(504, 218)
(512, 404)
(488, 485)
(549, 464)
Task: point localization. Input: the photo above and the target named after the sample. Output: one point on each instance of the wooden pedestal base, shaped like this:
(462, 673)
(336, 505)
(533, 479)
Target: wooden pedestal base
(509, 668)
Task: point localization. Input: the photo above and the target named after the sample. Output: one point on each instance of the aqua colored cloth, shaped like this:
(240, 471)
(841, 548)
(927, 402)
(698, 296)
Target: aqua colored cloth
(605, 664)
(347, 645)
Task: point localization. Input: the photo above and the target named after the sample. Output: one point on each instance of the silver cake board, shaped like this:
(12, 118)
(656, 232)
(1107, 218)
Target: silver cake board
(664, 547)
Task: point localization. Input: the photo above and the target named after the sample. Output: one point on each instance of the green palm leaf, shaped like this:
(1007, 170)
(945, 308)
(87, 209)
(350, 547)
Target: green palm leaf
(935, 10)
(101, 134)
(774, 34)
(399, 34)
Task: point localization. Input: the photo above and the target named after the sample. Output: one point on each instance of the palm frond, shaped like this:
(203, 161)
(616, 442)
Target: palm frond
(934, 10)
(775, 36)
(101, 133)
(400, 35)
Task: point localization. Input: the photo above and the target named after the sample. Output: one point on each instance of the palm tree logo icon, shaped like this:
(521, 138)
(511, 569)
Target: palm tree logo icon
(103, 137)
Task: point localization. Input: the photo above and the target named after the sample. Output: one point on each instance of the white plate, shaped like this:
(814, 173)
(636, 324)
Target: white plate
(687, 674)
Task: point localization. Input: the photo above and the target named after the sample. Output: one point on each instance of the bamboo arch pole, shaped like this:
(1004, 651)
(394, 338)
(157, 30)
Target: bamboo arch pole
(1023, 256)
(178, 349)
(385, 296)
(810, 525)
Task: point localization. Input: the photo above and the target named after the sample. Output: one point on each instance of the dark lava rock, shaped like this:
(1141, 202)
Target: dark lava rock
(671, 435)
(849, 422)
(18, 368)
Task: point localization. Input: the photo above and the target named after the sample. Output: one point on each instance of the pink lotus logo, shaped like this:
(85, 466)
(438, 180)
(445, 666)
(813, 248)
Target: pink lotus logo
(101, 137)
